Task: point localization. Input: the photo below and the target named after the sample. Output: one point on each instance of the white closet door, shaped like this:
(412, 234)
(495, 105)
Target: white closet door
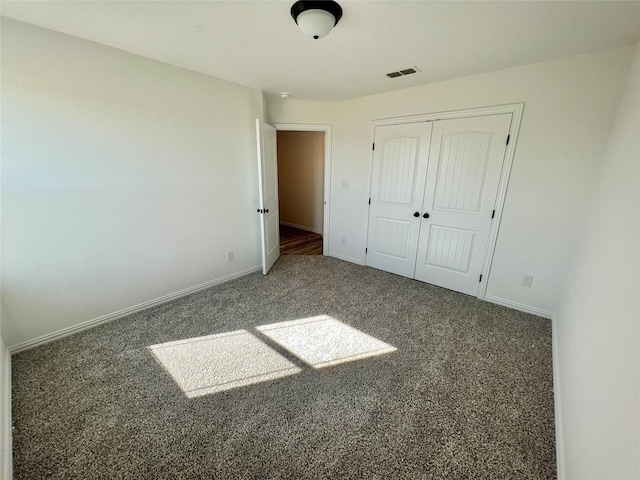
(397, 190)
(465, 163)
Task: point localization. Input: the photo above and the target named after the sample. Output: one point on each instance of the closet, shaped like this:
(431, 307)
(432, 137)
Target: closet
(434, 187)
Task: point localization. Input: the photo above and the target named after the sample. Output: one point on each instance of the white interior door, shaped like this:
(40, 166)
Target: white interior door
(397, 190)
(465, 163)
(268, 184)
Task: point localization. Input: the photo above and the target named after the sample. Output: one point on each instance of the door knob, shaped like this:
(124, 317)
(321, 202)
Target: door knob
(417, 214)
(426, 215)
(266, 210)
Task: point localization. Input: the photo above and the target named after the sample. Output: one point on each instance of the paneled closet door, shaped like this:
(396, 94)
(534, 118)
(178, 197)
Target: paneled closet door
(465, 164)
(397, 191)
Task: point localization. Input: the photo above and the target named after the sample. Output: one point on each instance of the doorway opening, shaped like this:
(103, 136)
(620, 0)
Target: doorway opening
(302, 157)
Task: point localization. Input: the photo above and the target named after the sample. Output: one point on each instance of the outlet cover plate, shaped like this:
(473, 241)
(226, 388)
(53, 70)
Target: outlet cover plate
(527, 280)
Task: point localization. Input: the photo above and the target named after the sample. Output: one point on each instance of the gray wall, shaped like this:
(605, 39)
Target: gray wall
(123, 180)
(597, 335)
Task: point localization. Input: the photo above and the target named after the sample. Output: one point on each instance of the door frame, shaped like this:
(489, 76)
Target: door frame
(516, 110)
(312, 127)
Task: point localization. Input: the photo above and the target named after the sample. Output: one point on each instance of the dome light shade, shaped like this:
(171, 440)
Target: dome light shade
(316, 23)
(316, 18)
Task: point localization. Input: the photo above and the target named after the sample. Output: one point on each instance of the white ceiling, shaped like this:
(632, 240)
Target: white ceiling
(256, 43)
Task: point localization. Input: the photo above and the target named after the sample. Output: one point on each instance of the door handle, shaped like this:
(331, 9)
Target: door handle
(426, 215)
(417, 214)
(266, 210)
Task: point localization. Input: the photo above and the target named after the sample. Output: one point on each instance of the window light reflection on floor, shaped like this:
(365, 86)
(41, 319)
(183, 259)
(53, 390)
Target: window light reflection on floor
(216, 363)
(323, 341)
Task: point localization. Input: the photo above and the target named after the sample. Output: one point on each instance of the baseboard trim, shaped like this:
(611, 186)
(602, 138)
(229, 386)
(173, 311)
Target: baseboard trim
(6, 451)
(557, 404)
(65, 332)
(518, 306)
(302, 227)
(346, 258)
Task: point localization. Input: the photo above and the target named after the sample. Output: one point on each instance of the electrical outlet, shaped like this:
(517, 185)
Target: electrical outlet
(230, 256)
(345, 183)
(527, 280)
(344, 240)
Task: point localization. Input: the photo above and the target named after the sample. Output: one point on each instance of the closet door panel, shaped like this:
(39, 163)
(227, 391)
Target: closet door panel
(397, 191)
(465, 164)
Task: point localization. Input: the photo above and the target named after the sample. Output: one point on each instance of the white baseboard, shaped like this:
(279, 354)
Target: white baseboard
(6, 451)
(518, 306)
(302, 227)
(65, 332)
(346, 258)
(557, 404)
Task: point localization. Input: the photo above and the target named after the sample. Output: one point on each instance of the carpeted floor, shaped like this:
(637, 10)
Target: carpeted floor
(466, 394)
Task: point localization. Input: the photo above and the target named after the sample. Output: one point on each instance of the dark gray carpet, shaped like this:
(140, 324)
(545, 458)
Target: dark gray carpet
(467, 394)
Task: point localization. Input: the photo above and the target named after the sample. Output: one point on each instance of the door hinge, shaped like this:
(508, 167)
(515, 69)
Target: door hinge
(508, 138)
(366, 250)
(480, 278)
(493, 214)
(369, 201)
(373, 146)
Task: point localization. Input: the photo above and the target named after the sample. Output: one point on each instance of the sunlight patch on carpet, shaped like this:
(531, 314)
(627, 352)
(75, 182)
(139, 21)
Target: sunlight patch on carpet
(215, 363)
(323, 341)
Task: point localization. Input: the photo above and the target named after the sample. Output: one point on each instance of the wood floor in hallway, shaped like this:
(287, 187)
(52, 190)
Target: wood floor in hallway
(294, 241)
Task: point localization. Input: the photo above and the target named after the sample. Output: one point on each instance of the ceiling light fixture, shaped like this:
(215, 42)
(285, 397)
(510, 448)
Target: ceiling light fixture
(316, 18)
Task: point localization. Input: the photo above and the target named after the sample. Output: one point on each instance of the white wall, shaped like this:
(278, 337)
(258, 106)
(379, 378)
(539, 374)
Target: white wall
(301, 179)
(569, 107)
(302, 111)
(123, 180)
(598, 324)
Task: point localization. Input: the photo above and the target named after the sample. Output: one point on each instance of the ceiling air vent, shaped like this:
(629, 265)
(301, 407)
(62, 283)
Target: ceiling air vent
(406, 71)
